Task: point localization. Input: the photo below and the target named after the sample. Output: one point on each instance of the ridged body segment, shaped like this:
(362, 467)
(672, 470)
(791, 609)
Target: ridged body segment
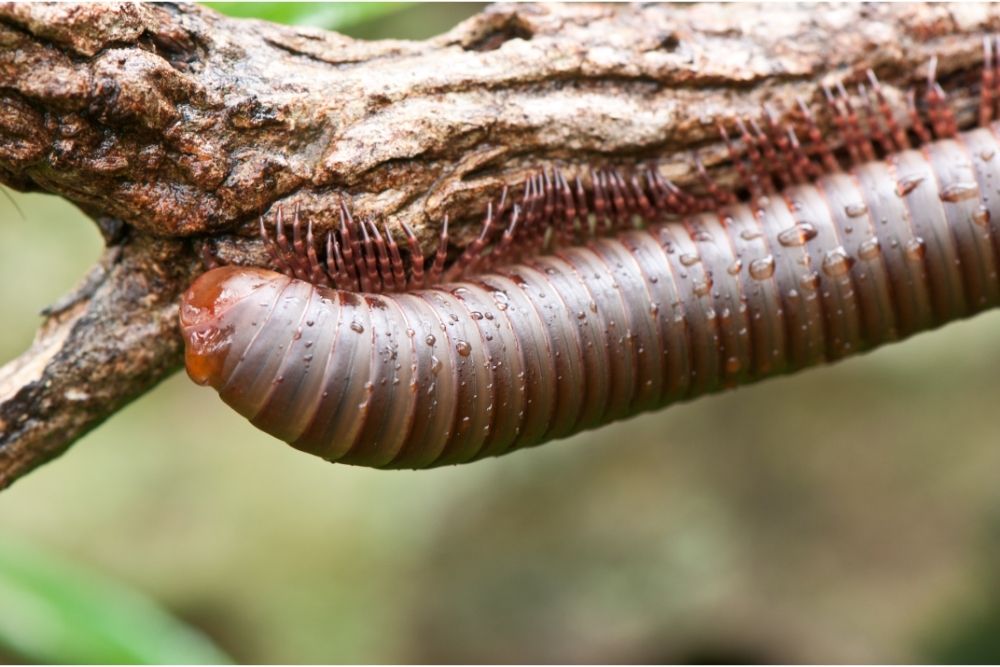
(595, 333)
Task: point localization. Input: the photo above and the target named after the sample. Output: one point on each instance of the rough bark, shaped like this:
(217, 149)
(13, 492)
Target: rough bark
(173, 127)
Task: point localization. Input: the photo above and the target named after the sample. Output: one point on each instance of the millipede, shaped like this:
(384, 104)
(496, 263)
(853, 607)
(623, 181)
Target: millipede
(590, 299)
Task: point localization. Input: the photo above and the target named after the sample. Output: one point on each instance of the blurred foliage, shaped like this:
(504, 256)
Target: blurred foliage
(331, 16)
(55, 612)
(847, 514)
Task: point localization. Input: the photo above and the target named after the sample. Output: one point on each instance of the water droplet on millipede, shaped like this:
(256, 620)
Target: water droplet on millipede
(750, 234)
(855, 210)
(809, 281)
(476, 315)
(798, 234)
(702, 287)
(430, 340)
(735, 267)
(908, 184)
(762, 268)
(959, 192)
(357, 326)
(916, 248)
(837, 262)
(981, 216)
(870, 249)
(463, 348)
(689, 259)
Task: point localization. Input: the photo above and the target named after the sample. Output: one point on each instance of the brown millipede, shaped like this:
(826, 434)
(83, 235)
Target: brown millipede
(352, 355)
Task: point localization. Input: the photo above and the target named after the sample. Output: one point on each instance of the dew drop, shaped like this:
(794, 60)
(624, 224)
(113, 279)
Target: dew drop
(501, 299)
(870, 249)
(735, 267)
(689, 260)
(762, 268)
(463, 348)
(357, 327)
(798, 234)
(809, 281)
(430, 340)
(916, 248)
(837, 262)
(750, 234)
(986, 154)
(855, 210)
(702, 287)
(981, 216)
(908, 184)
(959, 191)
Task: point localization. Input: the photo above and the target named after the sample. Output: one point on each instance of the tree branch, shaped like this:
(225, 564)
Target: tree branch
(173, 126)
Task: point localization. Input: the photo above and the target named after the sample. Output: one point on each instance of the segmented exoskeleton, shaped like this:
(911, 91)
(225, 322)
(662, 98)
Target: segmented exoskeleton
(354, 356)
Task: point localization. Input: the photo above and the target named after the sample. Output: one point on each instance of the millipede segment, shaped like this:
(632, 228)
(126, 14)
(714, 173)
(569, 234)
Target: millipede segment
(587, 300)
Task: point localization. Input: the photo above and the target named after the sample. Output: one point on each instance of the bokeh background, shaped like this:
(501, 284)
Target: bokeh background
(851, 513)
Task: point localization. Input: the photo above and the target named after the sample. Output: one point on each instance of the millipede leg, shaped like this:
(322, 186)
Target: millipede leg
(942, 117)
(817, 140)
(371, 265)
(417, 277)
(319, 276)
(746, 178)
(896, 133)
(874, 122)
(351, 248)
(384, 264)
(843, 129)
(442, 252)
(781, 146)
(916, 120)
(757, 165)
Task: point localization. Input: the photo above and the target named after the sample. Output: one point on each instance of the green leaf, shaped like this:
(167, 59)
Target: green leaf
(54, 612)
(331, 16)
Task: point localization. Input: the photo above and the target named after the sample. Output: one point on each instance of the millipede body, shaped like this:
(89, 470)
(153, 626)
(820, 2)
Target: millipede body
(346, 355)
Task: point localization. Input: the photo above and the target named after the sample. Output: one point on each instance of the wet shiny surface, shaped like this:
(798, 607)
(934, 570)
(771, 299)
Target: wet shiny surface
(596, 333)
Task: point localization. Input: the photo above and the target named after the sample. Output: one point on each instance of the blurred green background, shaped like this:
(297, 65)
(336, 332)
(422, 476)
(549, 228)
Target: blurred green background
(848, 514)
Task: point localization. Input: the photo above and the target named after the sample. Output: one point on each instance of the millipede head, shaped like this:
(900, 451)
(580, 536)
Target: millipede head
(202, 307)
